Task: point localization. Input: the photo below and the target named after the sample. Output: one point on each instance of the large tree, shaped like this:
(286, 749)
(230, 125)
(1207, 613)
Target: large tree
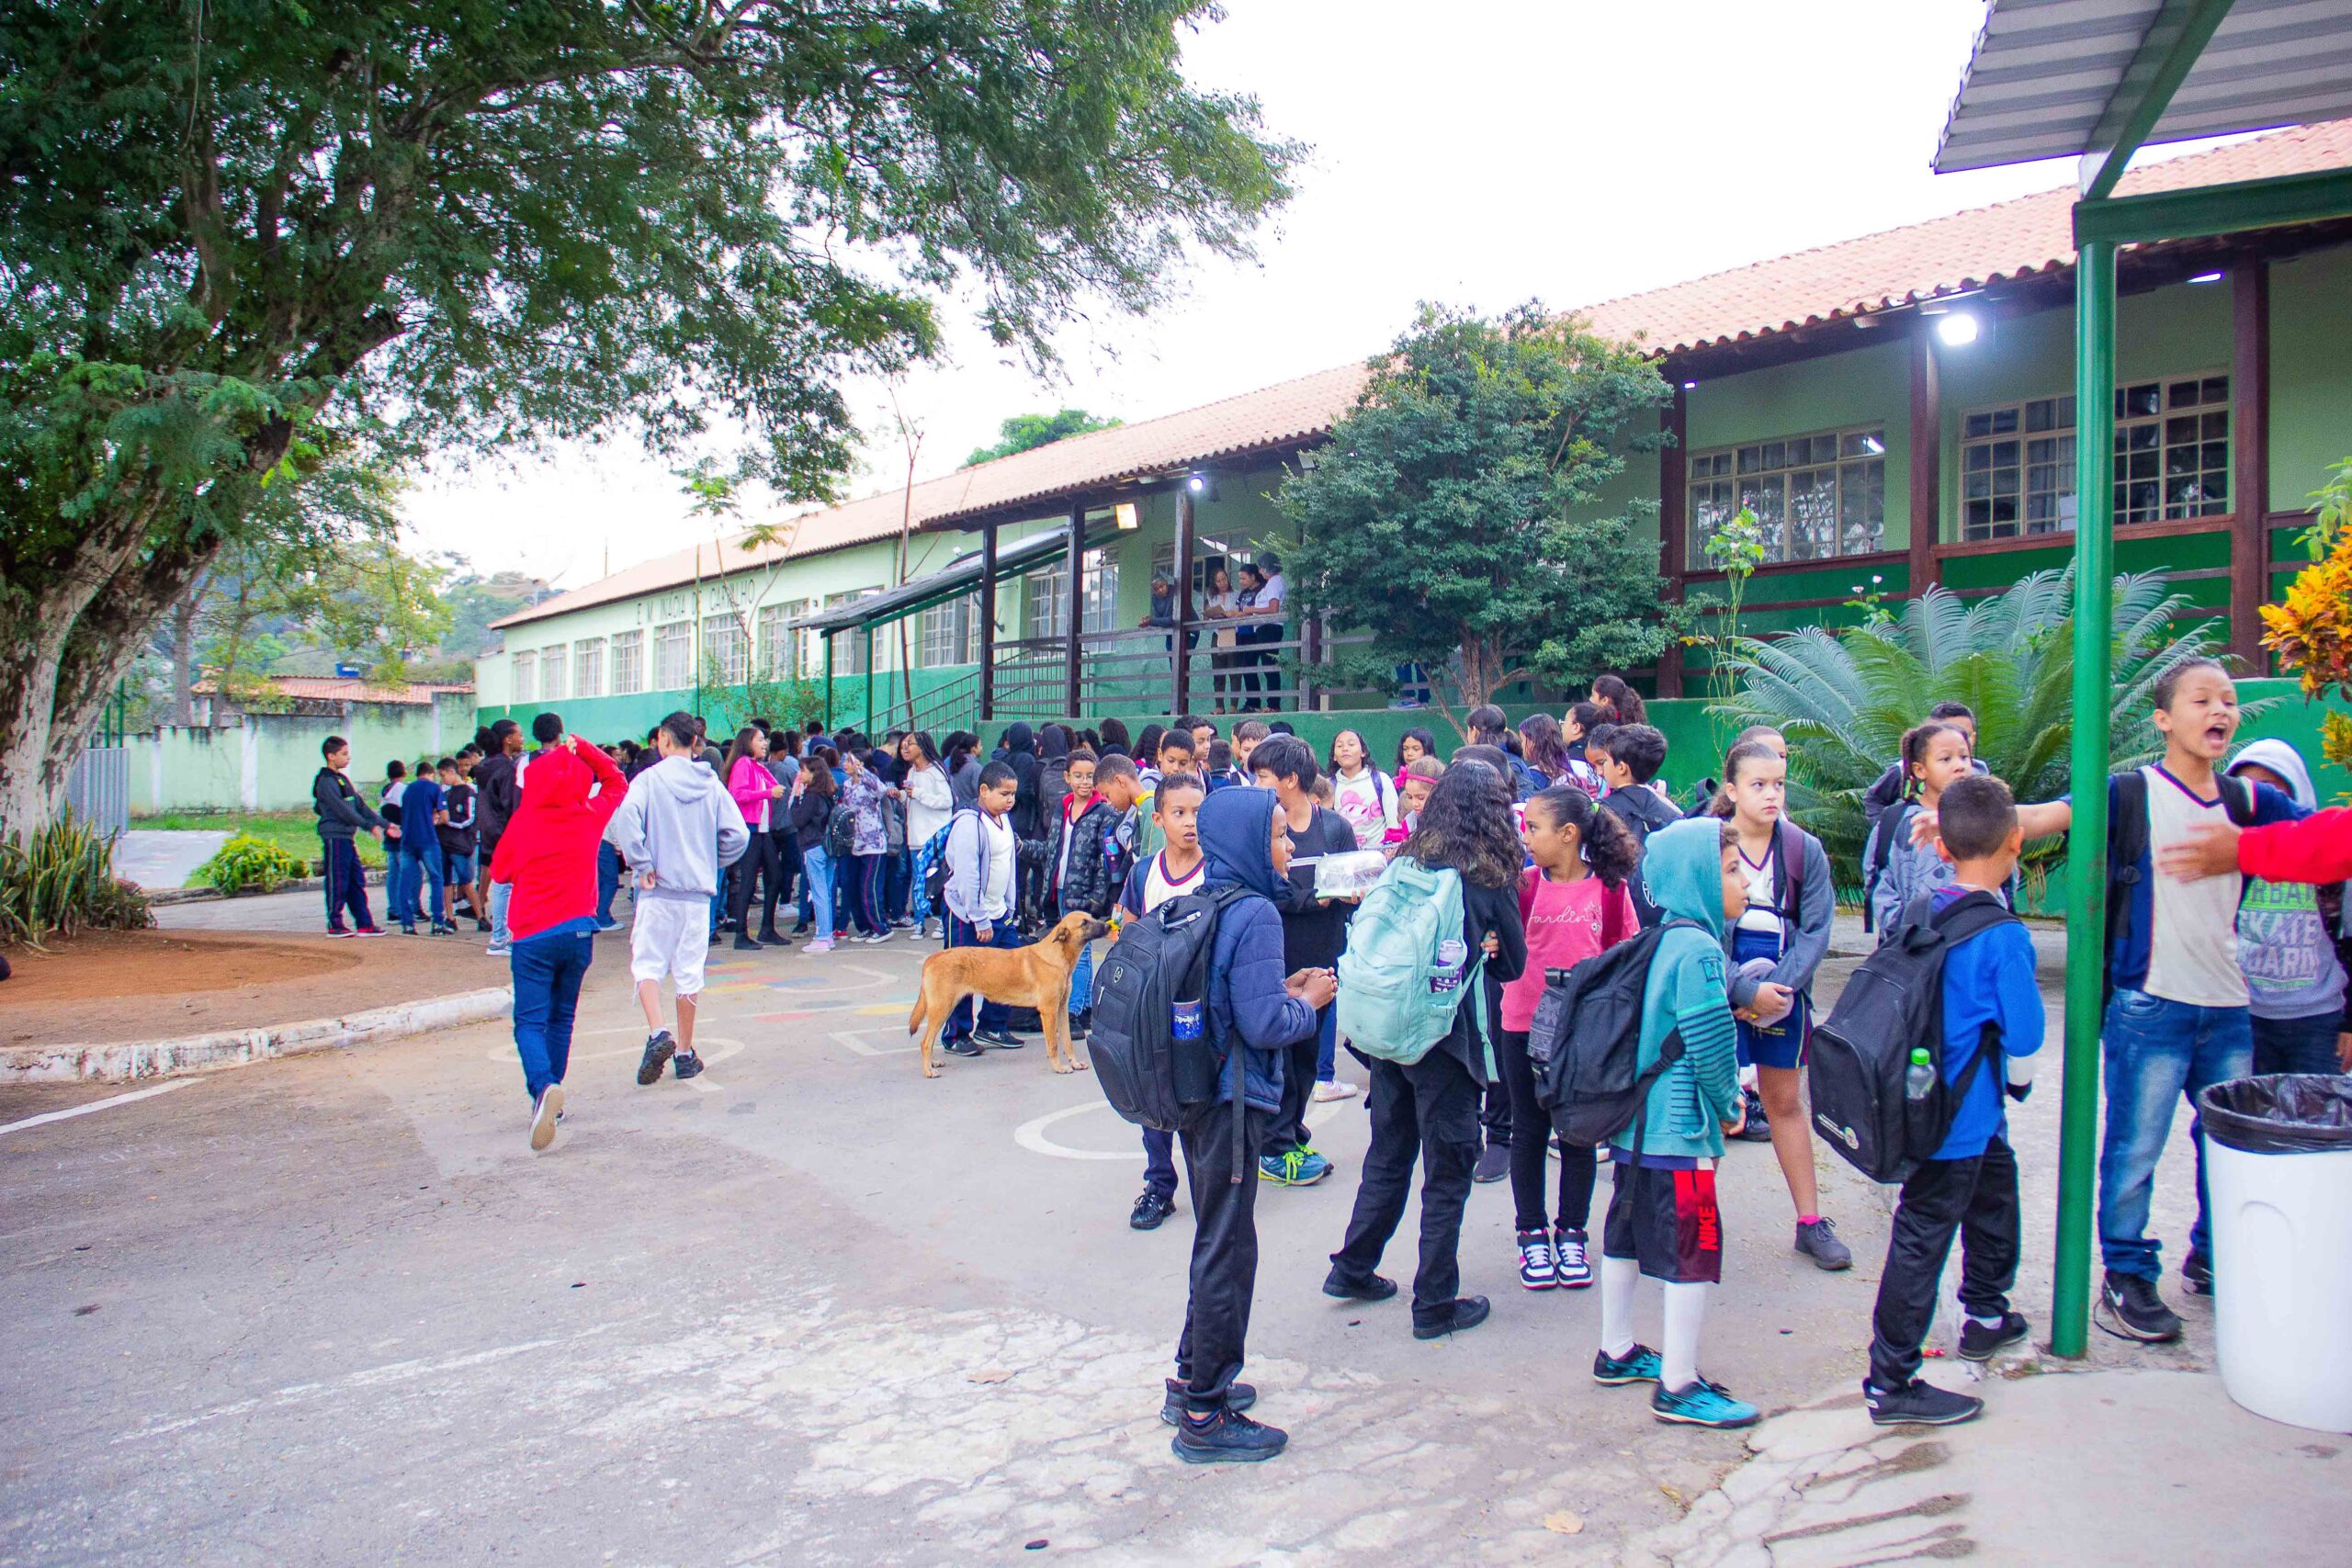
(1027, 432)
(244, 240)
(1457, 509)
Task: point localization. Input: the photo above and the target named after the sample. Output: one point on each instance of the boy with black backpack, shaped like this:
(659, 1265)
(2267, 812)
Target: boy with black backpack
(1631, 756)
(1990, 1026)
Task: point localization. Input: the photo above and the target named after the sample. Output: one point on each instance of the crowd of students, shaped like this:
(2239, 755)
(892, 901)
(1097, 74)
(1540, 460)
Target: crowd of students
(1565, 843)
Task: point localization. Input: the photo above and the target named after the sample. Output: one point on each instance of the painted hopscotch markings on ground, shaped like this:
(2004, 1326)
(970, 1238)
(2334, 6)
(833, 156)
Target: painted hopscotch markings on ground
(713, 1049)
(1031, 1134)
(85, 1108)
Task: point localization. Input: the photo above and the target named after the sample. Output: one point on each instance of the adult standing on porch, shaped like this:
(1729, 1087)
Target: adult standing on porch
(1219, 606)
(1265, 590)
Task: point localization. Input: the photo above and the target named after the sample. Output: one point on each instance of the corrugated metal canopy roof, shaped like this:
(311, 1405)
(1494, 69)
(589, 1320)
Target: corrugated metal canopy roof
(958, 577)
(2044, 72)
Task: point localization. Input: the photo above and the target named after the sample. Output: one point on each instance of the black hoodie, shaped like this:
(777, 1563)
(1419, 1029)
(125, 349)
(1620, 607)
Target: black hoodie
(1644, 810)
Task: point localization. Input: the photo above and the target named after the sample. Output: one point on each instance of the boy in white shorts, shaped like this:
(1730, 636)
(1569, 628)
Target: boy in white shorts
(677, 831)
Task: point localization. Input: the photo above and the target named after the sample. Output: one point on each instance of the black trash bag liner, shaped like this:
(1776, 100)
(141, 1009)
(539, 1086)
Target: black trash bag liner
(2281, 1113)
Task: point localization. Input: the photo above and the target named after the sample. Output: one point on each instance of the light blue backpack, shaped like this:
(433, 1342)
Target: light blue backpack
(1405, 969)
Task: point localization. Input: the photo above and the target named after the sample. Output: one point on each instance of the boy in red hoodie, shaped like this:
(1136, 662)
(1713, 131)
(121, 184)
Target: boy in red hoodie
(548, 856)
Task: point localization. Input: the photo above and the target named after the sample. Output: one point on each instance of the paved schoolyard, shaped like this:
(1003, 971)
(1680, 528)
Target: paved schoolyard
(807, 1309)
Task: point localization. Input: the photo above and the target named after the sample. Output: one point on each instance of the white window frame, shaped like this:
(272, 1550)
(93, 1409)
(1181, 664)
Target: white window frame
(523, 676)
(727, 647)
(2000, 463)
(1769, 475)
(673, 656)
(849, 645)
(629, 663)
(588, 667)
(950, 634)
(780, 652)
(1046, 597)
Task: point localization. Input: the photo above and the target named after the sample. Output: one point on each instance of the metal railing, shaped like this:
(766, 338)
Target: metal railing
(97, 788)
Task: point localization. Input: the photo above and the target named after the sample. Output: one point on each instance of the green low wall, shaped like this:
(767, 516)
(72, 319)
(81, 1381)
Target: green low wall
(267, 762)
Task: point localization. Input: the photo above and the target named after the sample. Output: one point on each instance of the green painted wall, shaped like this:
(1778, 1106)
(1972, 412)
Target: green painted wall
(267, 762)
(2311, 374)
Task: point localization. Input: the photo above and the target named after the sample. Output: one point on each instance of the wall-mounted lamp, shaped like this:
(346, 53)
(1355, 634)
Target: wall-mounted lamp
(1126, 515)
(2208, 278)
(1957, 330)
(1202, 486)
(1689, 385)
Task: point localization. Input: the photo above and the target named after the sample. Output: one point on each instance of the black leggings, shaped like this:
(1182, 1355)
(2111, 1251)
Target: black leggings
(759, 860)
(1531, 1130)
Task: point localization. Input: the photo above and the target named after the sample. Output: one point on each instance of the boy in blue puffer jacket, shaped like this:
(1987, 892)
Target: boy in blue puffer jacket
(1662, 1217)
(1259, 1011)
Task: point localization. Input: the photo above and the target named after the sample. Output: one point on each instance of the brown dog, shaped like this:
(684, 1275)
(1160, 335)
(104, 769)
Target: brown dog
(1032, 977)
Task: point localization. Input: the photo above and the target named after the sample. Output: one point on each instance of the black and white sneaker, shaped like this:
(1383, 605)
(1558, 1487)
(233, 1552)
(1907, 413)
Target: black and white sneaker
(2197, 1274)
(1978, 1343)
(2129, 1308)
(1239, 1398)
(967, 1046)
(1150, 1212)
(657, 1052)
(999, 1039)
(1918, 1403)
(1758, 1127)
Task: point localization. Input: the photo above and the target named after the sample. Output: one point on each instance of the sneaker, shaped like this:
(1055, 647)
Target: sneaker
(904, 923)
(2129, 1308)
(1758, 1128)
(746, 943)
(498, 949)
(1819, 1241)
(1918, 1403)
(801, 929)
(1567, 1247)
(820, 945)
(659, 1049)
(872, 939)
(1337, 1088)
(1226, 1437)
(606, 923)
(543, 1114)
(2197, 1274)
(1703, 1403)
(408, 928)
(1002, 1040)
(341, 931)
(1978, 1343)
(373, 931)
(1538, 1269)
(1298, 1167)
(481, 926)
(1239, 1396)
(771, 937)
(1150, 1209)
(1640, 1364)
(1468, 1312)
(1372, 1288)
(1494, 1163)
(969, 1046)
(686, 1065)
(444, 927)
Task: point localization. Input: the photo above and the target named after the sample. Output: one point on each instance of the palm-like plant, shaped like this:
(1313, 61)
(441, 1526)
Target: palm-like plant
(1844, 699)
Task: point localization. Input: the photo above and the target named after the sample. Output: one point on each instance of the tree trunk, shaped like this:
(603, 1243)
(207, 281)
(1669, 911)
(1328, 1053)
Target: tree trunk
(184, 658)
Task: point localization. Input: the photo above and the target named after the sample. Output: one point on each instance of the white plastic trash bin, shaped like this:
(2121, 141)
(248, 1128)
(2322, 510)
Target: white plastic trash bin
(2279, 1164)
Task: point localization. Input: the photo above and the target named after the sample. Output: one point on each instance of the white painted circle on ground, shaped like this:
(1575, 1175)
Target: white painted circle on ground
(1031, 1136)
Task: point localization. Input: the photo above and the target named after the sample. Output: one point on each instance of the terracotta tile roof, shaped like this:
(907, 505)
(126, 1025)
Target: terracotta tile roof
(1946, 255)
(351, 689)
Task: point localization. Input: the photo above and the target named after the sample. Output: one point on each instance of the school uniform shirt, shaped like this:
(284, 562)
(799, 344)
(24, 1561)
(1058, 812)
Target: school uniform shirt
(2193, 926)
(980, 857)
(1274, 592)
(1149, 884)
(1368, 801)
(1567, 923)
(1988, 979)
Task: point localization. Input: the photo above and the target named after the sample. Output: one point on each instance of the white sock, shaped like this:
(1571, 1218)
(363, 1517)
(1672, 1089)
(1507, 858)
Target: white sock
(1619, 1276)
(1686, 1312)
(1988, 1321)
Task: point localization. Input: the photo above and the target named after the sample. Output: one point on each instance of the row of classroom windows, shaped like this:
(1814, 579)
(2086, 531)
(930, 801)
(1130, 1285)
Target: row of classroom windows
(1823, 494)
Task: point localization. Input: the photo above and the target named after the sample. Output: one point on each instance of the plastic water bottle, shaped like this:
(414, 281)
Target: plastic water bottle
(1921, 1076)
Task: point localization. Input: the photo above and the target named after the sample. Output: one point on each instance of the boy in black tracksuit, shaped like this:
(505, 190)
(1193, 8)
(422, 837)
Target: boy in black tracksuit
(342, 812)
(1630, 757)
(1314, 932)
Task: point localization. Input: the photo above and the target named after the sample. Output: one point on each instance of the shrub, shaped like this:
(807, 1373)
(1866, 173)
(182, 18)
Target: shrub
(246, 865)
(62, 880)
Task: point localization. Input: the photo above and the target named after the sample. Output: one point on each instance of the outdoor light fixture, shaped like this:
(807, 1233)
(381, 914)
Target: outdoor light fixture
(1957, 330)
(1689, 385)
(2208, 277)
(1874, 445)
(1126, 515)
(1198, 484)
(1202, 486)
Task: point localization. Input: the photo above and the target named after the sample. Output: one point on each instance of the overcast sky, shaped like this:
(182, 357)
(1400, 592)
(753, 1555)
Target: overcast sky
(1475, 151)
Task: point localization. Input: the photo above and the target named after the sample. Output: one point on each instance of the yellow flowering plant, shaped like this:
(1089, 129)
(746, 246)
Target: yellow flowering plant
(2310, 629)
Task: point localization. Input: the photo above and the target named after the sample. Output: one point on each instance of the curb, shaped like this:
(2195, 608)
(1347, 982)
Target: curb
(237, 1047)
(194, 895)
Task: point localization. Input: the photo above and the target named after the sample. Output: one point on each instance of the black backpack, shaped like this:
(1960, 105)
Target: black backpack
(841, 832)
(1160, 964)
(1586, 1041)
(2126, 845)
(1860, 1053)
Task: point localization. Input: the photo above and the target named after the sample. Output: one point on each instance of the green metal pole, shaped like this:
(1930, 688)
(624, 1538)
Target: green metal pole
(869, 677)
(2087, 844)
(827, 638)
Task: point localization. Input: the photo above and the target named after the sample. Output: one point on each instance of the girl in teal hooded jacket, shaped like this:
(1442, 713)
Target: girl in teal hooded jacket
(1663, 1220)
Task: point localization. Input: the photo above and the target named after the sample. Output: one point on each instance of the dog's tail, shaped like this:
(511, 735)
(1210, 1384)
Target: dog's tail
(917, 1019)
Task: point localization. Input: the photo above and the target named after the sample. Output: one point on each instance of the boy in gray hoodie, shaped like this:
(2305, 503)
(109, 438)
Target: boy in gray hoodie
(2287, 943)
(676, 830)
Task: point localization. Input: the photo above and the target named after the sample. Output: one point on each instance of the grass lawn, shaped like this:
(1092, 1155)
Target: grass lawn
(296, 832)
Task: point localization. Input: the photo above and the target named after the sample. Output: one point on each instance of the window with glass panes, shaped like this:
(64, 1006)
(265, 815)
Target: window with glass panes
(779, 649)
(673, 656)
(629, 663)
(951, 633)
(526, 678)
(849, 644)
(552, 671)
(588, 668)
(727, 649)
(1048, 592)
(2171, 458)
(1814, 496)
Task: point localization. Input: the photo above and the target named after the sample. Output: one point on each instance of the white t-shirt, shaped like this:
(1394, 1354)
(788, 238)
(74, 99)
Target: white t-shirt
(1157, 887)
(1275, 594)
(2193, 926)
(1761, 915)
(1366, 803)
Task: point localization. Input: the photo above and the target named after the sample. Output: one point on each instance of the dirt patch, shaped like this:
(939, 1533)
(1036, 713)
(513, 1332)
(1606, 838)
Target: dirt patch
(104, 988)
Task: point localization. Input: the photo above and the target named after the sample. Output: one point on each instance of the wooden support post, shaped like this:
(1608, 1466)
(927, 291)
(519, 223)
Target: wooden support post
(1674, 522)
(1927, 459)
(1187, 527)
(1072, 684)
(2250, 460)
(987, 622)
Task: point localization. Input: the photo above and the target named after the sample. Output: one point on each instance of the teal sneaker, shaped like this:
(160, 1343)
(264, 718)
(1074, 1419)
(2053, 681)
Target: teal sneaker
(1641, 1364)
(1703, 1403)
(1298, 1167)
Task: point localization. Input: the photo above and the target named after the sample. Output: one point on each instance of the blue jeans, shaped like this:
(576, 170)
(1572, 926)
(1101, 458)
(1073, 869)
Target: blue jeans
(400, 882)
(608, 880)
(2297, 1044)
(547, 969)
(425, 877)
(1159, 1162)
(1081, 981)
(994, 1016)
(499, 892)
(2155, 1051)
(1327, 1043)
(816, 889)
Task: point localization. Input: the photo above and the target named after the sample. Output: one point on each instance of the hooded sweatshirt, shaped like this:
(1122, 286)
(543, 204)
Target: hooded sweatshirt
(2283, 942)
(1690, 1099)
(1245, 998)
(548, 851)
(678, 822)
(1028, 821)
(341, 810)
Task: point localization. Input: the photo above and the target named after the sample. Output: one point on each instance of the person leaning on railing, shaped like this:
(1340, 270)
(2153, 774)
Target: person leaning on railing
(1264, 590)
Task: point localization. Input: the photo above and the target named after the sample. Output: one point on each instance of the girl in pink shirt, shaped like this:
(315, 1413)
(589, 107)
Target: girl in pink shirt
(1575, 903)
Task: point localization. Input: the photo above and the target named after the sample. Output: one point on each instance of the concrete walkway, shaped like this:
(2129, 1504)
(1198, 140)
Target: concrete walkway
(159, 861)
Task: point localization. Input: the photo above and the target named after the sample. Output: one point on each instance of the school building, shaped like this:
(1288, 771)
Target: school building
(1896, 409)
